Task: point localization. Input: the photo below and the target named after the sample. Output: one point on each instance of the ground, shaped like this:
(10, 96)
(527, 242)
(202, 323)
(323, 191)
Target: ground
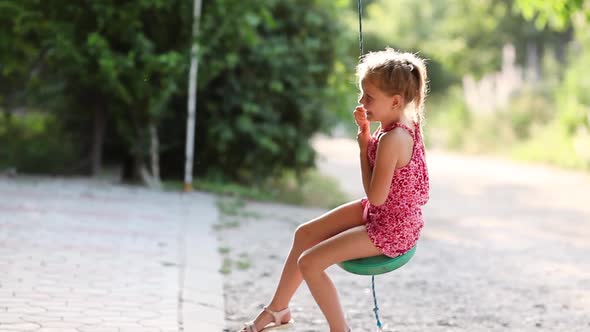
(78, 255)
(504, 248)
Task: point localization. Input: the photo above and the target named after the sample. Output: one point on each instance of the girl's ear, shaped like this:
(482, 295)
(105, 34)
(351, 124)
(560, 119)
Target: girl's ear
(397, 102)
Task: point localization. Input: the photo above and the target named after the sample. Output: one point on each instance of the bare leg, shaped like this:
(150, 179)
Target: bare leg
(350, 244)
(306, 236)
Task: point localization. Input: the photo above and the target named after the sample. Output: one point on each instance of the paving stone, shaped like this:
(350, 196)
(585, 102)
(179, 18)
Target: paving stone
(23, 326)
(78, 255)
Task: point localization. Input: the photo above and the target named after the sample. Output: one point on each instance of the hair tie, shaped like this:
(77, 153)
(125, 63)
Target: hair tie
(407, 65)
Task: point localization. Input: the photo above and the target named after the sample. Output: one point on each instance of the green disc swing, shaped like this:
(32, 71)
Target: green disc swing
(381, 264)
(376, 265)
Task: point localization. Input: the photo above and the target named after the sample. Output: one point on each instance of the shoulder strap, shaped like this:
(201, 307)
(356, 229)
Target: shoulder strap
(401, 125)
(418, 131)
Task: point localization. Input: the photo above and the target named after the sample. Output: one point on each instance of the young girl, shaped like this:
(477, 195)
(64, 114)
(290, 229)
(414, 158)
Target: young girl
(395, 178)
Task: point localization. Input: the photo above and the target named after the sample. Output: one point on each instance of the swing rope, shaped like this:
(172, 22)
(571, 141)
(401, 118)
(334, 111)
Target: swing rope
(360, 10)
(376, 308)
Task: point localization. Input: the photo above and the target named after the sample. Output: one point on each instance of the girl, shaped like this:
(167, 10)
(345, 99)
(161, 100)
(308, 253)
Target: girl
(395, 178)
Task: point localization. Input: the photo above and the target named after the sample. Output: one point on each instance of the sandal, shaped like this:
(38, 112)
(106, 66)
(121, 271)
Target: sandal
(277, 324)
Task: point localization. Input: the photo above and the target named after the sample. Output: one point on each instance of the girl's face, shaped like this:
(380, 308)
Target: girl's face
(380, 107)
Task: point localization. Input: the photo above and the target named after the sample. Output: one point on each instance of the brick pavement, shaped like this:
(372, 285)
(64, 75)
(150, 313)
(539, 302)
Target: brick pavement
(82, 256)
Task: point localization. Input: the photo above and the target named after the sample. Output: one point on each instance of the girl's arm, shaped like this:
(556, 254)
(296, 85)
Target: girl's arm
(366, 171)
(392, 146)
(363, 137)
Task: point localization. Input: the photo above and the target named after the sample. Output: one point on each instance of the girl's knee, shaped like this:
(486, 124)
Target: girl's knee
(303, 234)
(307, 263)
(304, 263)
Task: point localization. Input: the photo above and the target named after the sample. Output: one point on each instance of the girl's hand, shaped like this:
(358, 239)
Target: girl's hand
(360, 117)
(364, 132)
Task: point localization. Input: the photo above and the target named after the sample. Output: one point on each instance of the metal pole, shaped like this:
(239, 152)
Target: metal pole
(192, 100)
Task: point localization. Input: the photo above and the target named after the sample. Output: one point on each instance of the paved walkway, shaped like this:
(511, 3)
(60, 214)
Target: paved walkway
(81, 256)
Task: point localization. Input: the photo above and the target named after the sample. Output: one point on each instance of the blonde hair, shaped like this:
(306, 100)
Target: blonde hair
(394, 73)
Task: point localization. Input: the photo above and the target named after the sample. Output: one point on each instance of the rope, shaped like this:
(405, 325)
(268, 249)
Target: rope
(376, 308)
(360, 10)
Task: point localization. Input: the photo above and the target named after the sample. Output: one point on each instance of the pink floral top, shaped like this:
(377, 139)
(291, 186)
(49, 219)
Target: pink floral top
(394, 226)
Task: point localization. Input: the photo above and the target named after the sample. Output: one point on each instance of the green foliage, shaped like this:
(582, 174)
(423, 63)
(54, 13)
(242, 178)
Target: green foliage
(244, 263)
(447, 117)
(264, 77)
(452, 125)
(231, 206)
(557, 13)
(35, 144)
(125, 59)
(572, 96)
(552, 144)
(262, 89)
(548, 121)
(528, 110)
(308, 189)
(21, 54)
(226, 266)
(224, 250)
(119, 61)
(464, 36)
(565, 140)
(545, 124)
(272, 74)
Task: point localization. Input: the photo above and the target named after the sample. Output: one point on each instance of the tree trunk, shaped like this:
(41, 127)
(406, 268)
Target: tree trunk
(533, 63)
(97, 141)
(150, 179)
(155, 156)
(129, 172)
(564, 39)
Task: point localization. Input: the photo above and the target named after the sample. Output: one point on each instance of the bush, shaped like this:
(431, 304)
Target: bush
(451, 125)
(447, 119)
(263, 86)
(34, 143)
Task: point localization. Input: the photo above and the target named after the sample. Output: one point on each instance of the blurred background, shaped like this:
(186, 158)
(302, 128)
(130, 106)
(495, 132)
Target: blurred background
(100, 88)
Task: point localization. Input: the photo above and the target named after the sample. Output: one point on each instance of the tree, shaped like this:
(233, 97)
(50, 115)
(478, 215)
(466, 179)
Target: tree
(572, 94)
(120, 63)
(21, 58)
(555, 12)
(465, 36)
(263, 85)
(117, 72)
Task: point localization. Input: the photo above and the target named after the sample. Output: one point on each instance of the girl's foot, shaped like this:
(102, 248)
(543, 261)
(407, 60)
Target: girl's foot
(268, 320)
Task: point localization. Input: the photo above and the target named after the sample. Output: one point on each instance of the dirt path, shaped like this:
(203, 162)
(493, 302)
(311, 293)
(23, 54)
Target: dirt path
(504, 248)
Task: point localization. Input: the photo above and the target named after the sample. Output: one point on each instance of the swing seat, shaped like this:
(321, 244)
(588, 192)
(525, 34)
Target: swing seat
(377, 264)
